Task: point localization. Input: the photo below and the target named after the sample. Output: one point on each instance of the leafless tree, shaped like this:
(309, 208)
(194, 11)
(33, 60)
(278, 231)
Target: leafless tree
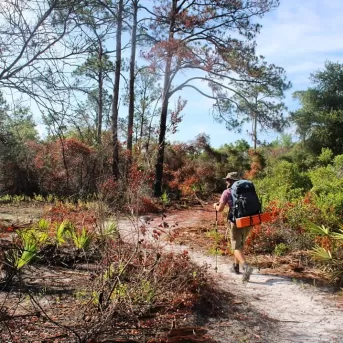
(38, 39)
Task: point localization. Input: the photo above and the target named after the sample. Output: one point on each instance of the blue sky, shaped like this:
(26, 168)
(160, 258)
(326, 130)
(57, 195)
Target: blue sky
(300, 35)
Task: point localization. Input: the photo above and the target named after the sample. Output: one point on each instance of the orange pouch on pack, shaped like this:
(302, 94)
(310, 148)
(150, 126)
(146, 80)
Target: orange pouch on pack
(253, 220)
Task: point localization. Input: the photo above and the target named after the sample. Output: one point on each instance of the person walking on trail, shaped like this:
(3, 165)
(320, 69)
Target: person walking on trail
(237, 235)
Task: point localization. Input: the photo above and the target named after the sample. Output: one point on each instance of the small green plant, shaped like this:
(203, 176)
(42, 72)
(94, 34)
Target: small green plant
(83, 204)
(43, 224)
(326, 156)
(147, 291)
(217, 237)
(18, 199)
(35, 235)
(81, 295)
(320, 230)
(28, 253)
(38, 197)
(328, 251)
(6, 198)
(120, 291)
(321, 254)
(30, 241)
(338, 235)
(22, 257)
(214, 234)
(95, 298)
(111, 229)
(81, 239)
(109, 273)
(281, 249)
(64, 230)
(51, 198)
(165, 198)
(214, 251)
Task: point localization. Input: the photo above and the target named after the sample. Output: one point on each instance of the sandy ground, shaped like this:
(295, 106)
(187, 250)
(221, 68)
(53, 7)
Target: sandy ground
(298, 312)
(294, 311)
(303, 313)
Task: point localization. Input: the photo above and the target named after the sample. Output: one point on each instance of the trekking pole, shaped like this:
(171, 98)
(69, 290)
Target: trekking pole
(216, 235)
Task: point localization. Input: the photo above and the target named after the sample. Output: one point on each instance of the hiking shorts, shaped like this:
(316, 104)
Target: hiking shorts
(238, 236)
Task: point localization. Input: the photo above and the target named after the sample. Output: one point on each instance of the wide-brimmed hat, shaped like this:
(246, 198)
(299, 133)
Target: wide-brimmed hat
(232, 176)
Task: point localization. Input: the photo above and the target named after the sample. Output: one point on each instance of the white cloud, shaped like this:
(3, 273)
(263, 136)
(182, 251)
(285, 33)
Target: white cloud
(300, 33)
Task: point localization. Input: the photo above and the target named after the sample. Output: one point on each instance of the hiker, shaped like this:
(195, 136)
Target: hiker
(237, 236)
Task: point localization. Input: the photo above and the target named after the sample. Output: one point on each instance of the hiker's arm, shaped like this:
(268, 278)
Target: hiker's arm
(219, 206)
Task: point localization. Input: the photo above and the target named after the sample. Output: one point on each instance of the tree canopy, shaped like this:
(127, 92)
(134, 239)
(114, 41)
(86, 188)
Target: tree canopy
(213, 42)
(319, 121)
(77, 61)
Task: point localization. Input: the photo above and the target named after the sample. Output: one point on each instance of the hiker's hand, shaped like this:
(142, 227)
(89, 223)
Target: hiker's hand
(215, 205)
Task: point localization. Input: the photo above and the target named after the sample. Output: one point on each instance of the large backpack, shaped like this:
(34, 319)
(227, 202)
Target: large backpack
(245, 199)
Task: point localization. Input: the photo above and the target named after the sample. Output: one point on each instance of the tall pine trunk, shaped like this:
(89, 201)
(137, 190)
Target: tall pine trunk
(115, 104)
(132, 80)
(100, 99)
(254, 129)
(164, 111)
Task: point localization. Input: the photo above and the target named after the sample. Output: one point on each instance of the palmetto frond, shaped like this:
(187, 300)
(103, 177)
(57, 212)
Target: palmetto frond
(43, 224)
(338, 235)
(64, 229)
(320, 254)
(81, 239)
(317, 229)
(29, 252)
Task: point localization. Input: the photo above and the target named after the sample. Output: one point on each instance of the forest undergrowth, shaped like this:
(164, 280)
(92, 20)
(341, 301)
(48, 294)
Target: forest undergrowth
(68, 276)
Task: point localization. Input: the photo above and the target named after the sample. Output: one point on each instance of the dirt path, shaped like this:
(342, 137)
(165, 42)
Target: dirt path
(295, 312)
(268, 309)
(302, 312)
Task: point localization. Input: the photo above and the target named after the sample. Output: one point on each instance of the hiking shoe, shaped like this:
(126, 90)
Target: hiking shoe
(247, 271)
(235, 268)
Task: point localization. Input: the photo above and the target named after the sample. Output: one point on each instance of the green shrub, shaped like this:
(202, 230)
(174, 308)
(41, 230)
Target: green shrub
(281, 249)
(328, 251)
(326, 156)
(338, 164)
(328, 191)
(283, 182)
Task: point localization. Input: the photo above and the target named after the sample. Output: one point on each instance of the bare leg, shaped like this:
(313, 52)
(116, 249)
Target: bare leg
(238, 257)
(238, 237)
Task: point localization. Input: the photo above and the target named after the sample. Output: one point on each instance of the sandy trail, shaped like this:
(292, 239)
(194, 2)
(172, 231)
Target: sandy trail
(301, 312)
